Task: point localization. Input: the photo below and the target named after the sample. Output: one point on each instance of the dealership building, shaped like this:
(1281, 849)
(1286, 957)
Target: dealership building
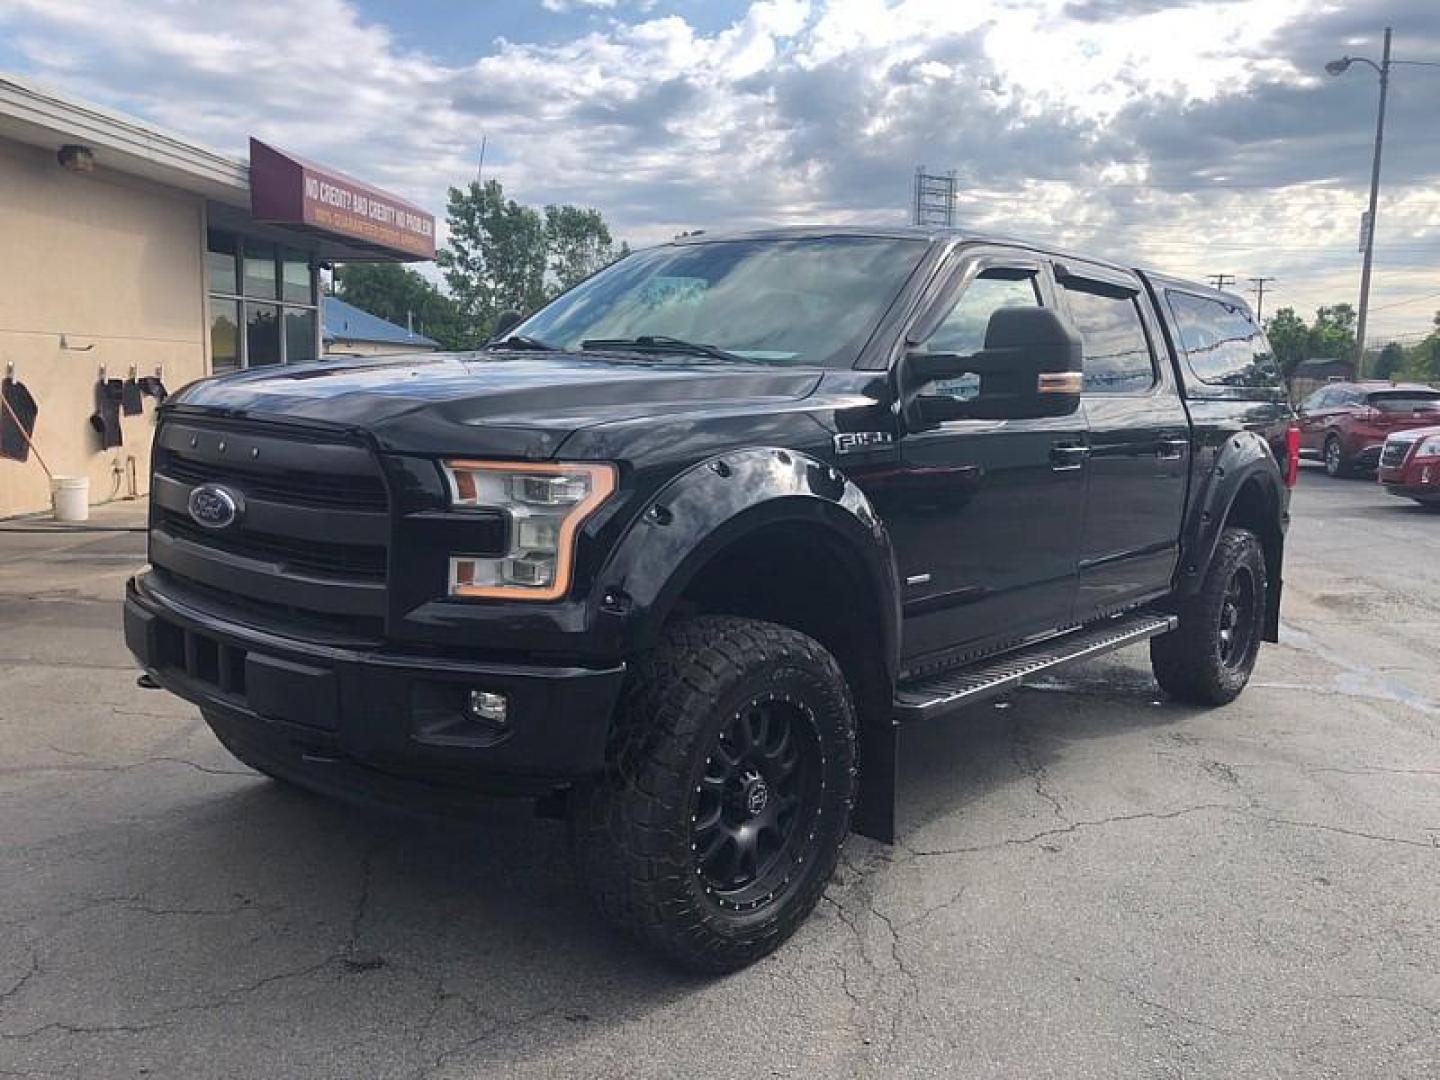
(133, 262)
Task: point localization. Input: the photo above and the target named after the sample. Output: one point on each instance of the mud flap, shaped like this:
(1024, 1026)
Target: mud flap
(874, 813)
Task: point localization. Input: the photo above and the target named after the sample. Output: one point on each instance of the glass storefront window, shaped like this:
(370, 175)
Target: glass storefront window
(220, 261)
(248, 328)
(299, 335)
(295, 277)
(224, 335)
(260, 269)
(262, 334)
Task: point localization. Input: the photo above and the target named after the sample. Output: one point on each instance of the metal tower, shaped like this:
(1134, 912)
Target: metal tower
(934, 198)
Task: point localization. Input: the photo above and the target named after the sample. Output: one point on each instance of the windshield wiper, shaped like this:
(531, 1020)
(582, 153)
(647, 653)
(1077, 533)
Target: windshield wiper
(661, 343)
(520, 341)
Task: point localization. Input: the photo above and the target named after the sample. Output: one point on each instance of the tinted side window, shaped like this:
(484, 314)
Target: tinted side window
(963, 330)
(1117, 352)
(1223, 346)
(1314, 401)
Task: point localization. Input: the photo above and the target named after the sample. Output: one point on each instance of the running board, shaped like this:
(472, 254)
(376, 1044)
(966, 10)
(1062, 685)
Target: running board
(941, 694)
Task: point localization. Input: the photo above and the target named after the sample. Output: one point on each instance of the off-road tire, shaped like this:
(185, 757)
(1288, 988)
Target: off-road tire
(1336, 467)
(1191, 663)
(634, 831)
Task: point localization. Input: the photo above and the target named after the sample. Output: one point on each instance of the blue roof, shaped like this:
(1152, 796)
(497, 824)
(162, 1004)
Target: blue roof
(346, 322)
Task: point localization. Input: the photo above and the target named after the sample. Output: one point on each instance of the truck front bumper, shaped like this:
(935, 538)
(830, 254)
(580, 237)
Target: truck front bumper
(371, 724)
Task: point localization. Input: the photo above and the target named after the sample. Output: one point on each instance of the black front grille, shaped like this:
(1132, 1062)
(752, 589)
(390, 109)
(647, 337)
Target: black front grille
(294, 487)
(339, 630)
(355, 562)
(311, 536)
(1395, 451)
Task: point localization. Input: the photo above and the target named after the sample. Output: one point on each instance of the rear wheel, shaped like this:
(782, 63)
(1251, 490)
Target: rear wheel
(1208, 659)
(727, 795)
(1335, 464)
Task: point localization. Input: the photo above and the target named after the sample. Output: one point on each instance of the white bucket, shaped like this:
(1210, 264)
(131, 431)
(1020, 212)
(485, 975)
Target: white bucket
(71, 497)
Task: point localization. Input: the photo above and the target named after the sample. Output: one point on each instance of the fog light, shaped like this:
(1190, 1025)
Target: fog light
(490, 707)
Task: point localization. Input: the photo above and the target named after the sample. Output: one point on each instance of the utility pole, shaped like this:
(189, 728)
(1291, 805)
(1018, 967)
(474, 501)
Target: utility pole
(1221, 280)
(1259, 295)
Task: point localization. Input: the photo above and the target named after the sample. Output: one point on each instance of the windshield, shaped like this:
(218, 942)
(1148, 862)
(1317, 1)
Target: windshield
(812, 301)
(1404, 401)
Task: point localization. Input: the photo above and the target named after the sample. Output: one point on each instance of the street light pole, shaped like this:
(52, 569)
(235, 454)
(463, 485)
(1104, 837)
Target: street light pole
(1374, 200)
(1339, 67)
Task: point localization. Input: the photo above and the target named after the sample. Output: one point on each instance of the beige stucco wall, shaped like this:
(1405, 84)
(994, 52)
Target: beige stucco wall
(109, 263)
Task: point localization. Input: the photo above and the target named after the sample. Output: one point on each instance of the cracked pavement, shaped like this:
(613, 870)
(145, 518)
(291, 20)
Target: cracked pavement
(1089, 882)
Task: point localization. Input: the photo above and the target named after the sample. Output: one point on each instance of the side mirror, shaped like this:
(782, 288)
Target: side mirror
(504, 323)
(1031, 366)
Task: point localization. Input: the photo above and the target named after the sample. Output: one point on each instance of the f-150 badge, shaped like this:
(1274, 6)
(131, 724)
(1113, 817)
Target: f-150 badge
(855, 442)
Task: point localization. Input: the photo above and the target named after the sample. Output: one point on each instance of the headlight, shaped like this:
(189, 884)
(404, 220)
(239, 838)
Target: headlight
(1429, 447)
(546, 505)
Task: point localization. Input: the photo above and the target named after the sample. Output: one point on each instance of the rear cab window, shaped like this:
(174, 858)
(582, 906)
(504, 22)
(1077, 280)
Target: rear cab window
(1222, 344)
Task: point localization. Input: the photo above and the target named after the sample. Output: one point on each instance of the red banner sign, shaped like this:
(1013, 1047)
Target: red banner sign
(289, 190)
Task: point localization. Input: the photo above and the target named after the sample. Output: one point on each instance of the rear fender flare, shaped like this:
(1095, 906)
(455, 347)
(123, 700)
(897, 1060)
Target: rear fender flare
(720, 501)
(1244, 458)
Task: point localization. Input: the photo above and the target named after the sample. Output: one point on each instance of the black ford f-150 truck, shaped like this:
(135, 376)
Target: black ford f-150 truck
(682, 553)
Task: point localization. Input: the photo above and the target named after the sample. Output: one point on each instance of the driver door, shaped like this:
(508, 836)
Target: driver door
(985, 515)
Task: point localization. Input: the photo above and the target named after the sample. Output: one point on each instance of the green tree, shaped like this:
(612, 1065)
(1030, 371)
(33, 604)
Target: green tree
(1425, 357)
(397, 293)
(505, 255)
(495, 258)
(1390, 362)
(1333, 332)
(578, 243)
(1289, 338)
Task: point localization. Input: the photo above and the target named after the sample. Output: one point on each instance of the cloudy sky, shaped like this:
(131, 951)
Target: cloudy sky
(1201, 136)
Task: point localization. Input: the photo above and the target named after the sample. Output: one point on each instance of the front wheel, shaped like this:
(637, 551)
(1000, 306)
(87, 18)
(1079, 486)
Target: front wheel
(1208, 659)
(727, 794)
(1335, 465)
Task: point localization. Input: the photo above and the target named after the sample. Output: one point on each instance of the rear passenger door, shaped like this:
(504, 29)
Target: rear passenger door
(1139, 442)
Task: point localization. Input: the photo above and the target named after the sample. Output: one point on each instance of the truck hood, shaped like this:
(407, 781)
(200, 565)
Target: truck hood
(505, 403)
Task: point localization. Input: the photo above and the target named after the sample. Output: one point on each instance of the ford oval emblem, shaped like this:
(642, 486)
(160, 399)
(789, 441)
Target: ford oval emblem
(214, 507)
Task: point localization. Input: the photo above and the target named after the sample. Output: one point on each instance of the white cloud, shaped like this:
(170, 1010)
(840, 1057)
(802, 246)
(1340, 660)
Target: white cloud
(1150, 129)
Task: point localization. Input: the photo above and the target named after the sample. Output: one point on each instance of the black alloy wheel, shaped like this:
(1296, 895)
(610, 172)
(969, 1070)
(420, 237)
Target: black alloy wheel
(757, 802)
(1237, 618)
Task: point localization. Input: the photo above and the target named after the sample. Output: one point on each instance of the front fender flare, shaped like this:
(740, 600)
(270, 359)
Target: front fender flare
(712, 505)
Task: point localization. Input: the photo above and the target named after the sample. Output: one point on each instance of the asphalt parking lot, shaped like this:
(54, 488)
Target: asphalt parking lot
(1089, 882)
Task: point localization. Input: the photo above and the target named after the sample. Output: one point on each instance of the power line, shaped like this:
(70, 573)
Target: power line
(1402, 303)
(1221, 280)
(1259, 294)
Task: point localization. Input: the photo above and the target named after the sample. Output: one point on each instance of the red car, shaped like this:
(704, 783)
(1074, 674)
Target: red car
(1346, 424)
(1410, 465)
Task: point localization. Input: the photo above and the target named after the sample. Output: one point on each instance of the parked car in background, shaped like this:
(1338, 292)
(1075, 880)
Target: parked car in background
(1410, 465)
(1346, 424)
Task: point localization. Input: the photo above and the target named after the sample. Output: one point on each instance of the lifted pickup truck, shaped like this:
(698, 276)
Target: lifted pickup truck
(683, 553)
